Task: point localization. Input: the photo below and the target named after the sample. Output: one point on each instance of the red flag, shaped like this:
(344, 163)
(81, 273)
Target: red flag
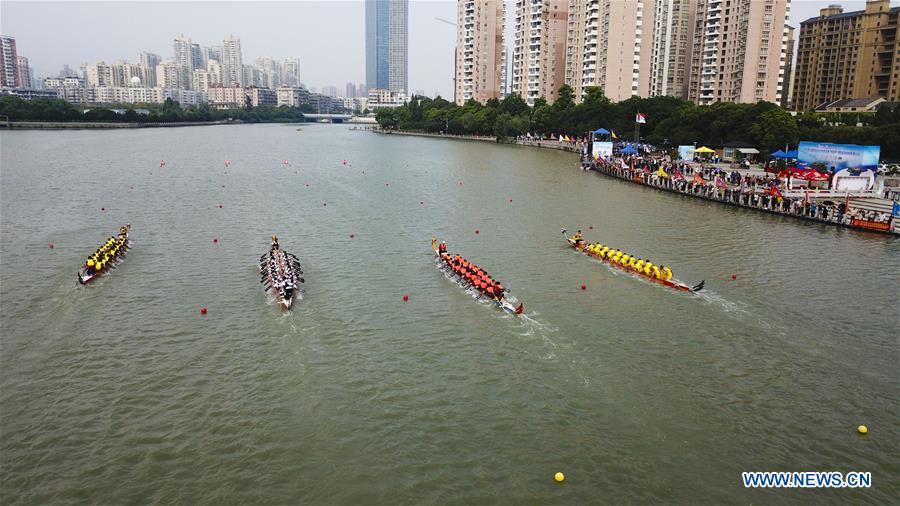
(698, 179)
(519, 309)
(640, 118)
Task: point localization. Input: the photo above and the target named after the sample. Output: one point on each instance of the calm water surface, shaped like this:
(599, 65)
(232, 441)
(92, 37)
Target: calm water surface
(121, 392)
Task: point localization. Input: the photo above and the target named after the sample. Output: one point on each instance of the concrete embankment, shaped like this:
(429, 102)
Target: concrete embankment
(57, 125)
(535, 143)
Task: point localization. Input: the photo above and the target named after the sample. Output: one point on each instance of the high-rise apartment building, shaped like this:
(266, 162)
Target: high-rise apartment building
(26, 79)
(787, 91)
(577, 27)
(387, 44)
(197, 60)
(350, 90)
(738, 51)
(479, 50)
(232, 62)
(9, 61)
(670, 52)
(539, 53)
(99, 74)
(169, 74)
(848, 55)
(201, 80)
(150, 59)
(290, 72)
(184, 57)
(210, 53)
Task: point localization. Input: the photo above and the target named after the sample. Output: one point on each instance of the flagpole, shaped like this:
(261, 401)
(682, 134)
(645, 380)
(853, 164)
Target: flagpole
(637, 131)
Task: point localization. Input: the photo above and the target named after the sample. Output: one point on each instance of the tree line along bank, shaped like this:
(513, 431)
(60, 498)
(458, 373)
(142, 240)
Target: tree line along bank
(670, 121)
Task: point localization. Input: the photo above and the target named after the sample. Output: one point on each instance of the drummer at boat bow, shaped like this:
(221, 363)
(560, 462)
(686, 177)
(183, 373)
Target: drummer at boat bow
(442, 249)
(578, 238)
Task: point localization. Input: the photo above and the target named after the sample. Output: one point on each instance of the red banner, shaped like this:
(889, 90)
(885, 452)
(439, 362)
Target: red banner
(871, 225)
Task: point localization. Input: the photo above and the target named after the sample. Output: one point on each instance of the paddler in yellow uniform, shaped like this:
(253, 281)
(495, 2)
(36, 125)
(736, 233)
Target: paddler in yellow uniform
(624, 260)
(639, 265)
(667, 273)
(648, 268)
(656, 272)
(617, 255)
(604, 251)
(631, 262)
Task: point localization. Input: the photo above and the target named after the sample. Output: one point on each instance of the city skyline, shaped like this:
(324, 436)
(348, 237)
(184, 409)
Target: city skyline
(431, 42)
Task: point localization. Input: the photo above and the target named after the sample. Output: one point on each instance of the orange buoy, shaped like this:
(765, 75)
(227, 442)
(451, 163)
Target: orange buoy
(405, 297)
(203, 310)
(733, 277)
(583, 286)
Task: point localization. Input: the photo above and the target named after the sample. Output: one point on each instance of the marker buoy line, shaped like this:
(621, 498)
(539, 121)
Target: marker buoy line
(324, 204)
(202, 310)
(405, 297)
(50, 245)
(510, 200)
(584, 287)
(103, 209)
(352, 236)
(590, 227)
(162, 163)
(477, 231)
(733, 277)
(862, 429)
(227, 163)
(215, 241)
(559, 477)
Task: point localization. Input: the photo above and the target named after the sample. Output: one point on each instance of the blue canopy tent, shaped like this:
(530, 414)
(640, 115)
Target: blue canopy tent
(778, 154)
(791, 154)
(629, 150)
(601, 131)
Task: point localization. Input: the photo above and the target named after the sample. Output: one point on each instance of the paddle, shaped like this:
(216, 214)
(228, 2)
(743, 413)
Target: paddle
(698, 286)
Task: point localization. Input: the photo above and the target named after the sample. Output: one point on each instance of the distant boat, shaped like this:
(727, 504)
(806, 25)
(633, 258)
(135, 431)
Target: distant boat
(324, 120)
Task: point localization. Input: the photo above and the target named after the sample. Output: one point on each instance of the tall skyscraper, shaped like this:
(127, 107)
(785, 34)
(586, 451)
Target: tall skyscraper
(479, 50)
(150, 60)
(738, 51)
(848, 55)
(350, 90)
(386, 44)
(539, 54)
(26, 79)
(9, 61)
(232, 62)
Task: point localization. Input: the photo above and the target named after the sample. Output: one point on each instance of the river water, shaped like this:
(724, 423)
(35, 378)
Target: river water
(121, 392)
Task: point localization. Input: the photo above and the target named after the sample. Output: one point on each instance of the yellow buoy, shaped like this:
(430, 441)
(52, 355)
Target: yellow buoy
(862, 429)
(560, 477)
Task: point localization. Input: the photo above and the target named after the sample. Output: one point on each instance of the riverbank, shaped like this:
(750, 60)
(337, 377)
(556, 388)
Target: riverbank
(812, 208)
(573, 148)
(82, 125)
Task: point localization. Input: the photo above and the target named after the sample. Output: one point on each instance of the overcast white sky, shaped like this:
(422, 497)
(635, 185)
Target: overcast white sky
(327, 36)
